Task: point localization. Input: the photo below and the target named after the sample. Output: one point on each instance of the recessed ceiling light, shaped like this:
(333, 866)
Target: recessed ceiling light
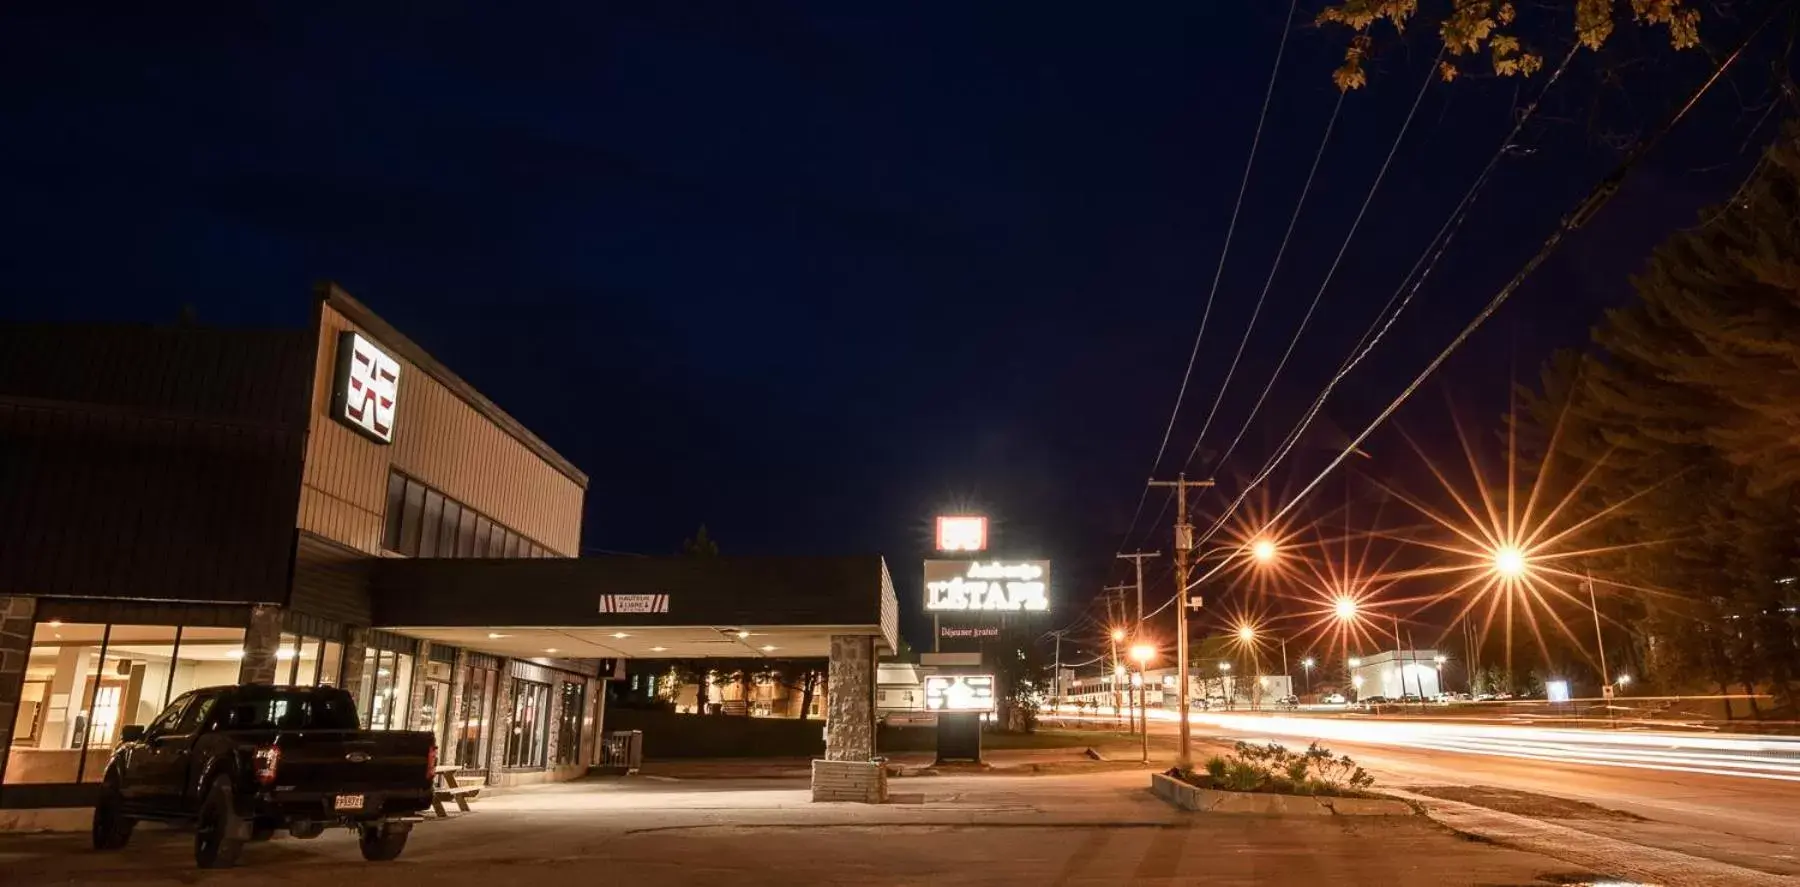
(549, 649)
(658, 649)
(620, 635)
(494, 635)
(743, 634)
(768, 647)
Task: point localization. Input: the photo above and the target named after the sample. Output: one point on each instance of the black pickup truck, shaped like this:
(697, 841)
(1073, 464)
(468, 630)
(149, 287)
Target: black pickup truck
(239, 763)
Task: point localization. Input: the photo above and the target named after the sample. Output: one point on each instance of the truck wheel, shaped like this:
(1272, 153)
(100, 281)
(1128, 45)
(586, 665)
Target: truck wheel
(216, 844)
(306, 830)
(112, 828)
(382, 843)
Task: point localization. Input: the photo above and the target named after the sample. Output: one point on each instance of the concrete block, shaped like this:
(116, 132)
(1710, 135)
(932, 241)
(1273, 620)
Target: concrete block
(1206, 800)
(862, 782)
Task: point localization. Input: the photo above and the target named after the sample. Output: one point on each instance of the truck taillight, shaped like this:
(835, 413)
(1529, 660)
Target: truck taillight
(431, 762)
(268, 761)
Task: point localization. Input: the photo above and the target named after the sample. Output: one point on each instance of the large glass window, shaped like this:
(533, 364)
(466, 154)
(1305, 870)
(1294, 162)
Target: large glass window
(525, 746)
(84, 683)
(386, 689)
(473, 731)
(568, 725)
(423, 522)
(331, 663)
(434, 702)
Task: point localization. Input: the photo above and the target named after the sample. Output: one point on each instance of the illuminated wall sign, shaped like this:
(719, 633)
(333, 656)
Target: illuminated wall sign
(634, 603)
(959, 692)
(976, 633)
(961, 533)
(1000, 586)
(367, 389)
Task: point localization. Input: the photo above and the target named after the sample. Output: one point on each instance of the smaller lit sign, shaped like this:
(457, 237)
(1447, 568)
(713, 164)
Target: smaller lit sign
(1004, 586)
(1556, 691)
(961, 533)
(634, 603)
(959, 692)
(976, 632)
(367, 389)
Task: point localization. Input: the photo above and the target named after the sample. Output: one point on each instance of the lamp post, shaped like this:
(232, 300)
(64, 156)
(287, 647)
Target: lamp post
(1143, 653)
(1307, 666)
(1225, 691)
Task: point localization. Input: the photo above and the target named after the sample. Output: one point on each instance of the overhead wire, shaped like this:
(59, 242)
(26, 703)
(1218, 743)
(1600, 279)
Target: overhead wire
(1582, 212)
(1268, 284)
(1335, 263)
(1219, 271)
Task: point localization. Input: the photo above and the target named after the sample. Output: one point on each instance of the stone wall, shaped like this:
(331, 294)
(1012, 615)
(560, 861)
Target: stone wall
(16, 616)
(863, 782)
(850, 709)
(262, 640)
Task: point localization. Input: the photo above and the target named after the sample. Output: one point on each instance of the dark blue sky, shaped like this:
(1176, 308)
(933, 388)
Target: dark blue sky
(810, 272)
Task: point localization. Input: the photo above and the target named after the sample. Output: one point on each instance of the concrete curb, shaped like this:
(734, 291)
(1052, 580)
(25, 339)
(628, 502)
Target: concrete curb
(1206, 800)
(1614, 858)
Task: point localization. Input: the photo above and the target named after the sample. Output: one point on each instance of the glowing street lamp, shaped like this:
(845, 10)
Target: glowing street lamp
(1246, 633)
(1623, 680)
(1344, 608)
(1118, 634)
(1355, 662)
(1263, 550)
(1142, 654)
(1224, 666)
(1307, 662)
(1509, 562)
(1441, 659)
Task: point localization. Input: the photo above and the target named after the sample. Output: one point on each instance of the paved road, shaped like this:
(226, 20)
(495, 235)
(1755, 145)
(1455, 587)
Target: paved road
(1746, 820)
(1053, 830)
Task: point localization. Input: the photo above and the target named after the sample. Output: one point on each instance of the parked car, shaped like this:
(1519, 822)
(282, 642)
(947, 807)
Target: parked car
(1336, 699)
(1288, 701)
(1412, 699)
(236, 764)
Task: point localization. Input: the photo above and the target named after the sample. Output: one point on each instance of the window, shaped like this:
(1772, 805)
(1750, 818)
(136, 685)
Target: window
(291, 710)
(386, 689)
(423, 522)
(525, 746)
(434, 515)
(170, 718)
(568, 725)
(85, 682)
(472, 734)
(307, 662)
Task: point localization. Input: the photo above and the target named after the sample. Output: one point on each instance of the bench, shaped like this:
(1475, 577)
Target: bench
(448, 789)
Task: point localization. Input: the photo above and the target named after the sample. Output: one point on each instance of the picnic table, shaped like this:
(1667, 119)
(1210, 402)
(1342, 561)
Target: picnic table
(446, 788)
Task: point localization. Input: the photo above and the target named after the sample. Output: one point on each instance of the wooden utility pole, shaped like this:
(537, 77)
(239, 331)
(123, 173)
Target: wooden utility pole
(1115, 594)
(1184, 555)
(1137, 637)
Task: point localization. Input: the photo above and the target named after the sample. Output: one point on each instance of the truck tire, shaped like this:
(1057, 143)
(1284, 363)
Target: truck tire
(216, 841)
(382, 843)
(112, 828)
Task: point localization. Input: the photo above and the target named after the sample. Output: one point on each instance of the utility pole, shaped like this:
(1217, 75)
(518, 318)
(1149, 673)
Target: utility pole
(1137, 637)
(1116, 594)
(1056, 687)
(1184, 554)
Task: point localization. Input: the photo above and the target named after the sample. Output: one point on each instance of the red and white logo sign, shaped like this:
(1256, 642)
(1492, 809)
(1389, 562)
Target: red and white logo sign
(368, 387)
(961, 533)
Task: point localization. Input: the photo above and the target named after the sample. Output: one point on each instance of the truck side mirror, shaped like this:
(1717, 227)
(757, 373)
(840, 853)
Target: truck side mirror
(132, 733)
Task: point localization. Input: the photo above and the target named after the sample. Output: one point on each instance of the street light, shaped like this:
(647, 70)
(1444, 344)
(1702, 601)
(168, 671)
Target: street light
(1263, 550)
(1308, 664)
(1509, 561)
(1246, 633)
(1623, 680)
(1344, 608)
(1224, 666)
(1355, 662)
(1118, 634)
(1143, 653)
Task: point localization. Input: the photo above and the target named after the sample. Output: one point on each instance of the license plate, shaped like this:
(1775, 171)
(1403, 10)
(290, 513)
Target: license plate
(348, 802)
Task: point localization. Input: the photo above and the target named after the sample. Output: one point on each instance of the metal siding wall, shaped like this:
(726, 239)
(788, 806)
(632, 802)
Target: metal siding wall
(439, 439)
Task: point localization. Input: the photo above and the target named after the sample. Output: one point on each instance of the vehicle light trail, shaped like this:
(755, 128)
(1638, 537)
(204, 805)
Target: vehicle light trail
(1758, 757)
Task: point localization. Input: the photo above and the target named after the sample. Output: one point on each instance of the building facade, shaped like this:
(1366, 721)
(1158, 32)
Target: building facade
(1396, 674)
(188, 507)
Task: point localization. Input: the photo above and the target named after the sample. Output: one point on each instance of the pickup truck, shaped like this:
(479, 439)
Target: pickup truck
(237, 764)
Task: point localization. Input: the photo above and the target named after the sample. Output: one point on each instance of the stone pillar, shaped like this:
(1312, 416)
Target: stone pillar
(262, 640)
(16, 617)
(503, 717)
(356, 645)
(554, 746)
(416, 696)
(850, 711)
(849, 771)
(594, 724)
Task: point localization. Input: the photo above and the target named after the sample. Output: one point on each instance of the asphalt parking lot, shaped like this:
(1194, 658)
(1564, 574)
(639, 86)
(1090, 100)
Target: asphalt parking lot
(1090, 829)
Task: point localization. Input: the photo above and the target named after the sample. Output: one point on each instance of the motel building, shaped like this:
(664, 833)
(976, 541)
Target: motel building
(183, 507)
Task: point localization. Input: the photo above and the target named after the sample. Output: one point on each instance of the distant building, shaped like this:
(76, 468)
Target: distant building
(1396, 673)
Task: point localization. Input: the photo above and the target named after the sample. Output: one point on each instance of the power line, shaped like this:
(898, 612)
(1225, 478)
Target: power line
(1430, 77)
(1583, 212)
(1219, 271)
(1270, 283)
(1428, 260)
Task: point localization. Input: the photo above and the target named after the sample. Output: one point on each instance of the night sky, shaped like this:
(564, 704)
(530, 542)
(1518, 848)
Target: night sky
(811, 273)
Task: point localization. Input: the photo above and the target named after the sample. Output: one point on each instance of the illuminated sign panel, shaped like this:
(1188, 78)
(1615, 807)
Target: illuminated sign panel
(368, 388)
(959, 692)
(987, 585)
(961, 533)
